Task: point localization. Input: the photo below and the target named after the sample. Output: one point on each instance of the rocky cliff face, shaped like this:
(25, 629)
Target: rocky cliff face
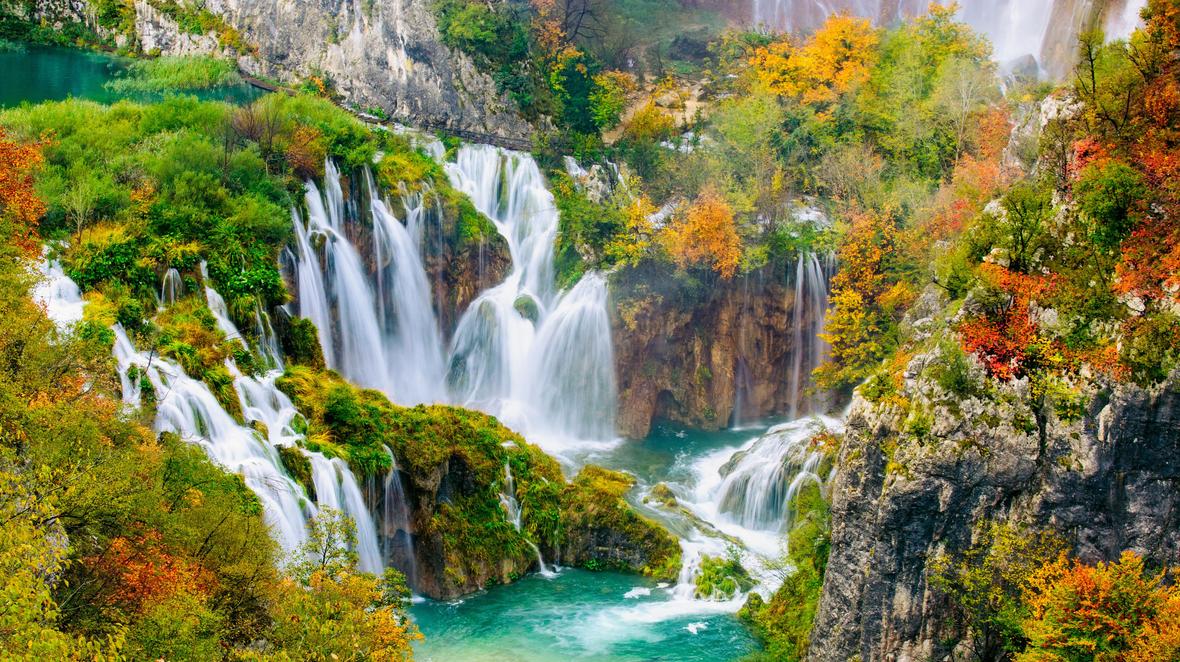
(911, 485)
(377, 53)
(708, 355)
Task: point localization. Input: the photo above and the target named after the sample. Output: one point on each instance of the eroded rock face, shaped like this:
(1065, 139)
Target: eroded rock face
(376, 53)
(696, 359)
(1107, 482)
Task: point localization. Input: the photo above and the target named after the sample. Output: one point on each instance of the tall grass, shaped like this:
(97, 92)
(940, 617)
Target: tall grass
(176, 73)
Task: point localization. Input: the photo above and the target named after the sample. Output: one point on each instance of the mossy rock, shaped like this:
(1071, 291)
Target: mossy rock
(722, 578)
(605, 532)
(301, 343)
(527, 306)
(663, 495)
(297, 464)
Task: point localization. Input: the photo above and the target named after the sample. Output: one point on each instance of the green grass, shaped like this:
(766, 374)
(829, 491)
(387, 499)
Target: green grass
(166, 74)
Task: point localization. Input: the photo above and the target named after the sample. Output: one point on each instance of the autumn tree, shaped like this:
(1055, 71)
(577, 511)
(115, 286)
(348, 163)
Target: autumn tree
(705, 234)
(837, 58)
(866, 301)
(18, 199)
(985, 585)
(1107, 611)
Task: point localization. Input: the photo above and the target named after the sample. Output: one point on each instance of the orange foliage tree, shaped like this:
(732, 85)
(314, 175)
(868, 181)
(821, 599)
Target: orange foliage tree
(1109, 611)
(1006, 338)
(147, 574)
(705, 234)
(838, 57)
(18, 200)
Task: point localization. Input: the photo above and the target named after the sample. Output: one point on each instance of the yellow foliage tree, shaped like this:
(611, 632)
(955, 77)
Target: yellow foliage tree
(838, 57)
(705, 234)
(864, 299)
(631, 244)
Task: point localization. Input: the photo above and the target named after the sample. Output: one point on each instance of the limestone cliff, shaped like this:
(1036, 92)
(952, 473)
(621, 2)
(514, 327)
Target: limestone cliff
(920, 470)
(375, 53)
(708, 355)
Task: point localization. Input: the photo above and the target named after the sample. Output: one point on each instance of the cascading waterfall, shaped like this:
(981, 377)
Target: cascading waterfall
(808, 314)
(512, 510)
(540, 361)
(59, 295)
(336, 486)
(378, 330)
(761, 481)
(185, 406)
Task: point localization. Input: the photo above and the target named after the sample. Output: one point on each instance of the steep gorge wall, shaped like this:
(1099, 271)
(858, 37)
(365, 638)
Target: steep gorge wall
(1108, 481)
(694, 355)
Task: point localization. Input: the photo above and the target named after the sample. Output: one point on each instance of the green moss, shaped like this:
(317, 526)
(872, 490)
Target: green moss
(722, 578)
(783, 624)
(594, 502)
(301, 343)
(297, 464)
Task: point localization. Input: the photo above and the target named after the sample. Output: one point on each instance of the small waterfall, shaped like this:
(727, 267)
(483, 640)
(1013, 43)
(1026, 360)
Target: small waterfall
(397, 539)
(186, 407)
(336, 488)
(808, 313)
(512, 509)
(58, 295)
(268, 342)
(219, 309)
(171, 288)
(760, 481)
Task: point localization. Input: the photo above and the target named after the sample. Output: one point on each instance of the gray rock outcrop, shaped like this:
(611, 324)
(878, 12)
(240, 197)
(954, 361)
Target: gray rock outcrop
(1108, 480)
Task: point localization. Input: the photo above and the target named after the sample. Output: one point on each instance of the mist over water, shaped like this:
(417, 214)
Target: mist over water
(1015, 28)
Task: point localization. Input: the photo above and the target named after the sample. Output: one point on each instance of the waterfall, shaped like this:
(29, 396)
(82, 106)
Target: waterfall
(761, 481)
(171, 287)
(336, 488)
(540, 361)
(512, 510)
(263, 402)
(396, 534)
(377, 329)
(186, 407)
(58, 295)
(404, 306)
(808, 312)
